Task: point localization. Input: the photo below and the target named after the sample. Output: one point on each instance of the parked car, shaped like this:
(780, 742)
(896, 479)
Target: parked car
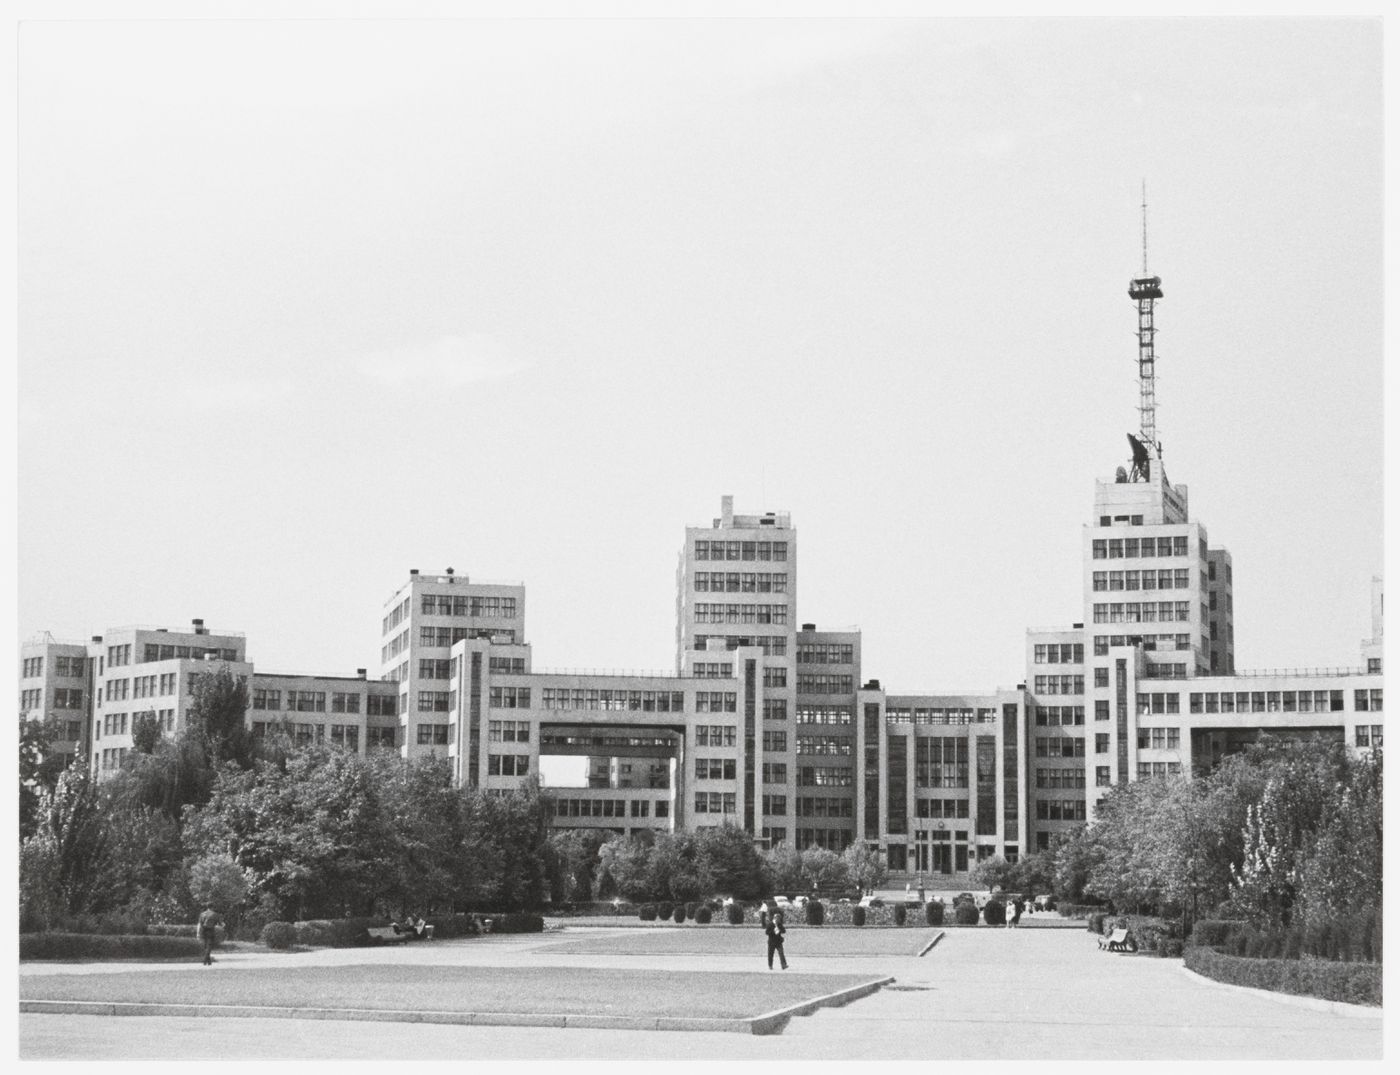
(1045, 903)
(871, 901)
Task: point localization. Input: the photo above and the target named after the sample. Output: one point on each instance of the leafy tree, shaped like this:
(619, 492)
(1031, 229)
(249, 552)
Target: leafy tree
(624, 867)
(730, 861)
(39, 767)
(218, 881)
(824, 869)
(68, 848)
(421, 861)
(782, 867)
(145, 731)
(505, 840)
(1342, 870)
(574, 868)
(993, 873)
(216, 718)
(865, 866)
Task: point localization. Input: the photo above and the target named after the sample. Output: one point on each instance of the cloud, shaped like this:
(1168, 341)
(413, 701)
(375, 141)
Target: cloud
(447, 361)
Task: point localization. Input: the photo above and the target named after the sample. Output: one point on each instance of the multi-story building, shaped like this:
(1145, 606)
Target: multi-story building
(769, 725)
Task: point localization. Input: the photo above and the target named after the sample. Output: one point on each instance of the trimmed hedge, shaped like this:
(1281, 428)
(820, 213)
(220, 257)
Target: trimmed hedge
(966, 913)
(702, 915)
(1352, 983)
(515, 922)
(663, 910)
(994, 913)
(857, 916)
(933, 914)
(814, 912)
(1097, 920)
(735, 913)
(106, 946)
(454, 925)
(647, 912)
(679, 913)
(279, 935)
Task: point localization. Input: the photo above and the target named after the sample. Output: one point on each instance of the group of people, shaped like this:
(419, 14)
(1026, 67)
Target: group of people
(1014, 906)
(414, 927)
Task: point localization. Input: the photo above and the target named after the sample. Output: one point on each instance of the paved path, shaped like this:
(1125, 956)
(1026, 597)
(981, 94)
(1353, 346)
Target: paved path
(980, 994)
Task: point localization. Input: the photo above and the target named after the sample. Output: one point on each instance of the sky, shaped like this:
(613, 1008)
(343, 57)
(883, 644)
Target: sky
(305, 304)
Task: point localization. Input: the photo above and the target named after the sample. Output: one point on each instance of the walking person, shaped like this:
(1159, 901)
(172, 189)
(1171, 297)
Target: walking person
(774, 929)
(209, 921)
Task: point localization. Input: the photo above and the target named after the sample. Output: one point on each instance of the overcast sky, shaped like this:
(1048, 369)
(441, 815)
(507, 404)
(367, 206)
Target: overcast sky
(304, 305)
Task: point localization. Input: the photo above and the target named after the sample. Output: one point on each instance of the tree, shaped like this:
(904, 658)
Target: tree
(865, 866)
(39, 767)
(65, 855)
(782, 867)
(730, 861)
(624, 867)
(216, 718)
(993, 873)
(145, 731)
(218, 881)
(823, 868)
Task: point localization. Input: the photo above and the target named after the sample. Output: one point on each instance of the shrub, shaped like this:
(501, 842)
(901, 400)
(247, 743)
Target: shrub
(663, 910)
(679, 913)
(901, 913)
(1170, 948)
(314, 933)
(857, 916)
(279, 935)
(106, 946)
(1352, 983)
(518, 923)
(1096, 921)
(965, 913)
(1213, 932)
(994, 914)
(647, 912)
(702, 915)
(933, 913)
(735, 914)
(814, 913)
(690, 909)
(454, 925)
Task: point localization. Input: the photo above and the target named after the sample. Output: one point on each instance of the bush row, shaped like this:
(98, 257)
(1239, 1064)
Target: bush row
(1354, 983)
(104, 946)
(1347, 938)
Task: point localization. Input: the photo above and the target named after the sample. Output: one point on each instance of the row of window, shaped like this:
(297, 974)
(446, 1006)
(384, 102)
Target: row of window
(1068, 684)
(825, 653)
(1368, 735)
(824, 714)
(63, 698)
(1054, 716)
(824, 776)
(712, 670)
(112, 758)
(1060, 810)
(741, 550)
(824, 683)
(775, 709)
(468, 605)
(509, 698)
(1059, 778)
(775, 677)
(1149, 642)
(715, 802)
(1326, 701)
(775, 742)
(776, 805)
(118, 655)
(775, 772)
(1059, 653)
(434, 668)
(508, 764)
(450, 636)
(1156, 770)
(825, 745)
(610, 808)
(1142, 612)
(613, 700)
(824, 806)
(1168, 579)
(740, 582)
(155, 652)
(508, 665)
(830, 839)
(396, 616)
(341, 735)
(1132, 548)
(32, 667)
(714, 735)
(394, 647)
(444, 701)
(707, 612)
(937, 715)
(508, 731)
(1058, 747)
(1159, 738)
(771, 645)
(940, 808)
(714, 768)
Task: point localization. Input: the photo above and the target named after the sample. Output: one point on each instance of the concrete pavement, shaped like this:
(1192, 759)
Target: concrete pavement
(980, 994)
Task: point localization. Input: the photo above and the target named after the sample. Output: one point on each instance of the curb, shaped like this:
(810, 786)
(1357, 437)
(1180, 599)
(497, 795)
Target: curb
(926, 949)
(1317, 1004)
(774, 1022)
(770, 1023)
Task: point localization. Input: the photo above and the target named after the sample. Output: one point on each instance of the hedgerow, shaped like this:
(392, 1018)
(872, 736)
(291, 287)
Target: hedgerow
(1353, 983)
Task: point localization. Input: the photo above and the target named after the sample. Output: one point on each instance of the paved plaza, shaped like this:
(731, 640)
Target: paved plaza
(979, 994)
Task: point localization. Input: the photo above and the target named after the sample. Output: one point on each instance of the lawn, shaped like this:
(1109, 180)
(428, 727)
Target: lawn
(799, 944)
(398, 987)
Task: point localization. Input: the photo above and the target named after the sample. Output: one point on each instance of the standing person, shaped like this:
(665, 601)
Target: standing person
(774, 929)
(209, 921)
(1019, 905)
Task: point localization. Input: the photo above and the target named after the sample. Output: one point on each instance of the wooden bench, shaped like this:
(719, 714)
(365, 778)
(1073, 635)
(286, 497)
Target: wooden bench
(1117, 941)
(387, 935)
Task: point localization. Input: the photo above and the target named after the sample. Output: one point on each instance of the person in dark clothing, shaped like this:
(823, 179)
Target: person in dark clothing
(209, 921)
(774, 928)
(1017, 907)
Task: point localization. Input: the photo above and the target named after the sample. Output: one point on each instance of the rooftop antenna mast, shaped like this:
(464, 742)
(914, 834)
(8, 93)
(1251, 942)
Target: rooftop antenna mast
(1145, 290)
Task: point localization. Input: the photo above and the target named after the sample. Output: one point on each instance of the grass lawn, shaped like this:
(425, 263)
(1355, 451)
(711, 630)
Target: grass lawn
(805, 943)
(391, 987)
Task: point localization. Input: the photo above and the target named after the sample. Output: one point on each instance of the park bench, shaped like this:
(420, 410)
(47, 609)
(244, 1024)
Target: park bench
(1117, 941)
(387, 935)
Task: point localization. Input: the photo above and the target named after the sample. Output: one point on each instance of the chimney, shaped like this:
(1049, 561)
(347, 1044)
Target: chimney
(413, 572)
(809, 626)
(360, 672)
(872, 685)
(97, 638)
(198, 626)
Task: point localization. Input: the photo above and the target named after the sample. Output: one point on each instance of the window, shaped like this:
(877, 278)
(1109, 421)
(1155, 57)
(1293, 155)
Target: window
(510, 698)
(1101, 743)
(1100, 677)
(1103, 776)
(774, 772)
(508, 764)
(775, 709)
(775, 805)
(774, 742)
(1100, 549)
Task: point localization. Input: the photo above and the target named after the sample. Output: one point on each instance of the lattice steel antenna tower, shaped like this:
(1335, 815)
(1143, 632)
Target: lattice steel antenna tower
(1145, 290)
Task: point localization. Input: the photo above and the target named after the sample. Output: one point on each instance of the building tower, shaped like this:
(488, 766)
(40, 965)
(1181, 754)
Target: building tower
(1145, 291)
